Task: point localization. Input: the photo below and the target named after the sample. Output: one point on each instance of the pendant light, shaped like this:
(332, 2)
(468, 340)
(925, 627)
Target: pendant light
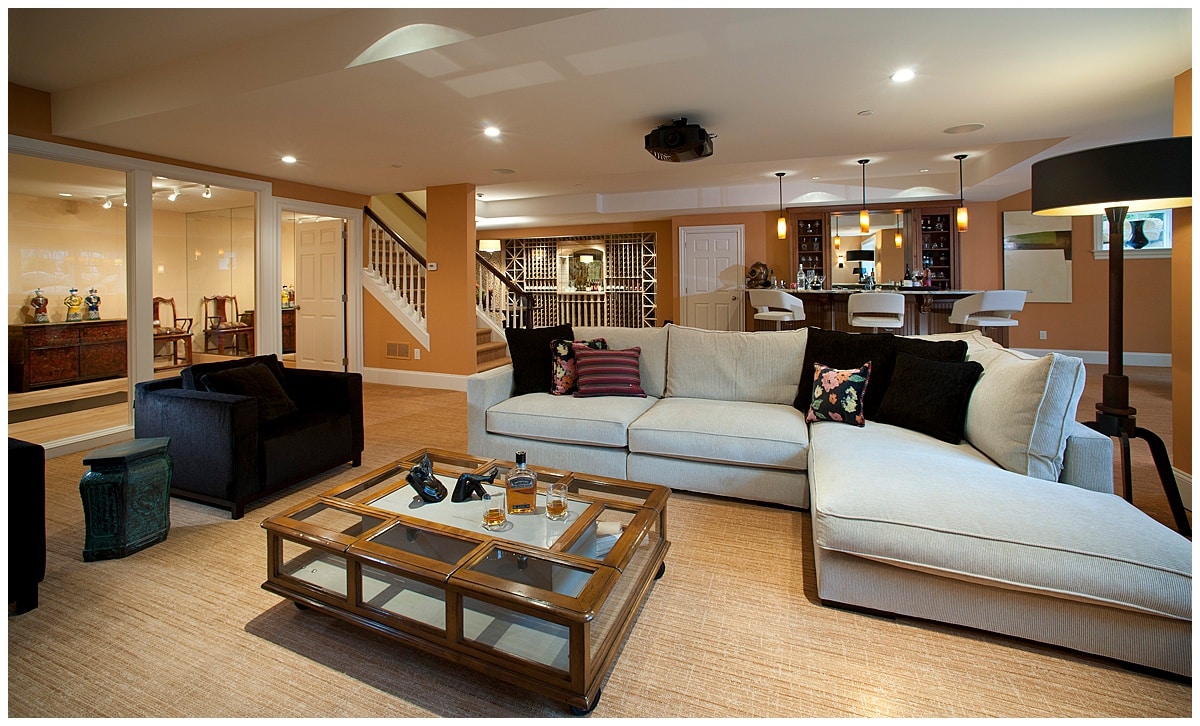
(961, 213)
(899, 234)
(781, 225)
(837, 235)
(864, 217)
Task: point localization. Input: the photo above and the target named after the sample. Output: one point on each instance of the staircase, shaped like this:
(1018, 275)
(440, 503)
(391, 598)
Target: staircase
(489, 353)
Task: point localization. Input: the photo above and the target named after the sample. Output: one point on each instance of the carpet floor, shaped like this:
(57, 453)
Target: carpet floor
(734, 628)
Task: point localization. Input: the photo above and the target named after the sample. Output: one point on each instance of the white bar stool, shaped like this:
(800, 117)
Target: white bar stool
(776, 305)
(991, 308)
(876, 310)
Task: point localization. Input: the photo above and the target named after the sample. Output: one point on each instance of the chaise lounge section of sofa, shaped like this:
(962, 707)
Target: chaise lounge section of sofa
(1013, 529)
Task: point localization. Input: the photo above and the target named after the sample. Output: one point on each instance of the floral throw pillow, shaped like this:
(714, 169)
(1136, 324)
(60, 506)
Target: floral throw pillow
(563, 374)
(838, 394)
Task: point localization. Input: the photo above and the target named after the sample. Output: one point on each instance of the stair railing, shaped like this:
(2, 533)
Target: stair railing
(397, 265)
(499, 298)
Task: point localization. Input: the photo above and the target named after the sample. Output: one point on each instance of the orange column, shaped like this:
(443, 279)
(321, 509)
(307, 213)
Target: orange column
(1181, 302)
(450, 230)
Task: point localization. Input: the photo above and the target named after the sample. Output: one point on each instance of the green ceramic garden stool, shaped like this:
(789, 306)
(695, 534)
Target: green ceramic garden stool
(126, 498)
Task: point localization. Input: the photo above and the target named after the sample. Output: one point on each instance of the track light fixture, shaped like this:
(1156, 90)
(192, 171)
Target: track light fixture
(207, 192)
(960, 214)
(173, 195)
(107, 203)
(864, 217)
(781, 226)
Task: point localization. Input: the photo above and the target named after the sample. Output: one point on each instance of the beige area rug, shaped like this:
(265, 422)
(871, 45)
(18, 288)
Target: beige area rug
(183, 629)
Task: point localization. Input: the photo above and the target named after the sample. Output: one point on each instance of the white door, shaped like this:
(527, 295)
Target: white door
(712, 275)
(320, 287)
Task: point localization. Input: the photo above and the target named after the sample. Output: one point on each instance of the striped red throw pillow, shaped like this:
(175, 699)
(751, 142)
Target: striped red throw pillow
(608, 372)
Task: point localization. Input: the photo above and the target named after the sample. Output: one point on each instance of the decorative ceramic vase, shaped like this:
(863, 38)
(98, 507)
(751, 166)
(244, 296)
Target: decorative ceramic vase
(1137, 236)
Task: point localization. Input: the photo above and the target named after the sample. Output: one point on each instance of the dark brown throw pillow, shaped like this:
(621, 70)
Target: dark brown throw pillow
(257, 381)
(840, 350)
(529, 349)
(930, 396)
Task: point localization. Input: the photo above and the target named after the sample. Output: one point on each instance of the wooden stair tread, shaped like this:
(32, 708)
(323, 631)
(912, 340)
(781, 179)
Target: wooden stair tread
(495, 363)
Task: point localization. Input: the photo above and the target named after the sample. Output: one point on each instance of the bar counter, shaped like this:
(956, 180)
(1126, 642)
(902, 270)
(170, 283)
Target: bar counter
(925, 311)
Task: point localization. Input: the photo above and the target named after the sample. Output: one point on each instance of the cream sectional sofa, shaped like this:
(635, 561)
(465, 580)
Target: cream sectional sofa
(1015, 530)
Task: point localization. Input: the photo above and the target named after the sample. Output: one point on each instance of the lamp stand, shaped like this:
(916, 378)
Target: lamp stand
(1114, 416)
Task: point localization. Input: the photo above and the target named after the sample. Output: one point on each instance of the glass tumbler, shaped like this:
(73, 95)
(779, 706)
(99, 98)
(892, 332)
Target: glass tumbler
(495, 511)
(556, 500)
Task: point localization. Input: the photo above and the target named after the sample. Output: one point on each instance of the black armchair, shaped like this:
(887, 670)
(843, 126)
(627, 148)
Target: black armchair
(26, 524)
(242, 429)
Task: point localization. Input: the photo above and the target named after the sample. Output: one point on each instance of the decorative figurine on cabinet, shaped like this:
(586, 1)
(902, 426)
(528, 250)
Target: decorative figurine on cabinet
(39, 303)
(93, 305)
(74, 305)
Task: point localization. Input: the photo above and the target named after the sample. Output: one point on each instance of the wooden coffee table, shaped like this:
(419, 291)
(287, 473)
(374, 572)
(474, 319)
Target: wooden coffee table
(544, 605)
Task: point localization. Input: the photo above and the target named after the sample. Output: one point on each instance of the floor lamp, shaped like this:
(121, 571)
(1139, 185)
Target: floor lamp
(1115, 180)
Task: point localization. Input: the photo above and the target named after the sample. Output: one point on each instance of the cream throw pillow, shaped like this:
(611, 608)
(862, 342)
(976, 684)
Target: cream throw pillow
(760, 367)
(1023, 409)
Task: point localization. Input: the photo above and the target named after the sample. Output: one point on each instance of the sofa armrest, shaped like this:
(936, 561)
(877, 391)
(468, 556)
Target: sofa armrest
(332, 391)
(1088, 460)
(485, 390)
(214, 438)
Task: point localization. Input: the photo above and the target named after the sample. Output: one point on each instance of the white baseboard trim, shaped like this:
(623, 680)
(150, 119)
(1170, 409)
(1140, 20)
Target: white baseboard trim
(1184, 480)
(417, 379)
(1100, 357)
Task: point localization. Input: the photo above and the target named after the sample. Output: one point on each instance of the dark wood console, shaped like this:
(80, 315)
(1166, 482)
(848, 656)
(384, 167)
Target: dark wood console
(44, 355)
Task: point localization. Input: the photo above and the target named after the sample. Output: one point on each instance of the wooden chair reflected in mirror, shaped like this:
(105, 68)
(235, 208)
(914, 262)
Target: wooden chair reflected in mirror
(170, 331)
(222, 324)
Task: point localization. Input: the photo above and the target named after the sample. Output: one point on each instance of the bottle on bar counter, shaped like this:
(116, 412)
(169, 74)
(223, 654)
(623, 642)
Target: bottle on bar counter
(521, 484)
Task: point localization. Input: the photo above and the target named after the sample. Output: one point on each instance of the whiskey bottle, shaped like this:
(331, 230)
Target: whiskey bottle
(521, 484)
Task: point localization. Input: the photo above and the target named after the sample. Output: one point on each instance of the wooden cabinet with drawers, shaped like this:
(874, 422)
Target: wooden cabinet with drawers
(44, 355)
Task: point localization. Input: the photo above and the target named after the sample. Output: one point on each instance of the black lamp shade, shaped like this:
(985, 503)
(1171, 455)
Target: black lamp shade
(1141, 175)
(860, 255)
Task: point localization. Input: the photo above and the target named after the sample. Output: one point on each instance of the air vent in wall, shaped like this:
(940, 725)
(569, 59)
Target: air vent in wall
(397, 350)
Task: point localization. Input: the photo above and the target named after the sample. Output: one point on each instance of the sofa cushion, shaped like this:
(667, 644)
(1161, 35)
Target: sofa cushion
(563, 373)
(652, 341)
(190, 376)
(529, 349)
(930, 396)
(256, 381)
(1023, 409)
(599, 421)
(837, 395)
(758, 367)
(608, 373)
(850, 350)
(728, 432)
(905, 499)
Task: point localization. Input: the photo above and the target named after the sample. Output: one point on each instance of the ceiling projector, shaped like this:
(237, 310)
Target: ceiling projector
(681, 141)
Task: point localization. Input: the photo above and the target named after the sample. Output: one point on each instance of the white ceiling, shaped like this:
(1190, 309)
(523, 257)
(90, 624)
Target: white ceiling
(575, 91)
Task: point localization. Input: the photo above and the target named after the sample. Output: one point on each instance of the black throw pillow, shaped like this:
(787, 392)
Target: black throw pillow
(529, 349)
(930, 396)
(254, 380)
(836, 349)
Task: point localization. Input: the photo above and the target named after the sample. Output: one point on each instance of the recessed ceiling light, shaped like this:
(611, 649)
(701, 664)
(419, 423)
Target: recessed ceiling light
(924, 171)
(64, 194)
(491, 131)
(963, 129)
(903, 75)
(503, 171)
(865, 112)
(289, 159)
(815, 178)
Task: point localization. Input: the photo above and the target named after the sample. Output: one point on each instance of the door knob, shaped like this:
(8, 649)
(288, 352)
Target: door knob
(733, 297)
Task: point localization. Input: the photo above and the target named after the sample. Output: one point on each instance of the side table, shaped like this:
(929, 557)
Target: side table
(126, 498)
